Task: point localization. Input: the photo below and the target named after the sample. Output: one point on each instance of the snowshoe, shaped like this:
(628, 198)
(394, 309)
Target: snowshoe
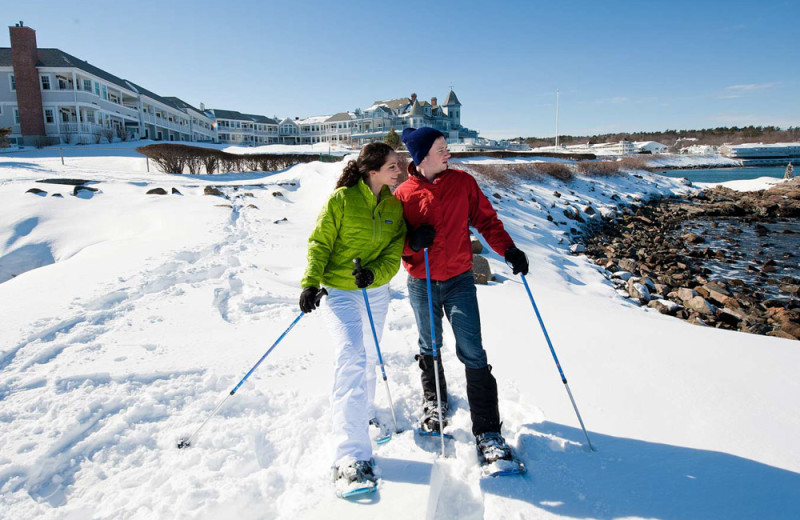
(356, 478)
(429, 425)
(495, 456)
(378, 433)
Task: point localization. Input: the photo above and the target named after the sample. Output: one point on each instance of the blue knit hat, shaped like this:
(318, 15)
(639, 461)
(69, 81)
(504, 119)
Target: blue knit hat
(419, 141)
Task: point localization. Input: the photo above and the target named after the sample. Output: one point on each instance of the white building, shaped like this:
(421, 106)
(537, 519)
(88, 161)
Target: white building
(48, 96)
(243, 129)
(652, 147)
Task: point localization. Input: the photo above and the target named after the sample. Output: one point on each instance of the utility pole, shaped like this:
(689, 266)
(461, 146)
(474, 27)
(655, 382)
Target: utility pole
(556, 119)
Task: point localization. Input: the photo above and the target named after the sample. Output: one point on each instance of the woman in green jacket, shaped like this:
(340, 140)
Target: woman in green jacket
(361, 219)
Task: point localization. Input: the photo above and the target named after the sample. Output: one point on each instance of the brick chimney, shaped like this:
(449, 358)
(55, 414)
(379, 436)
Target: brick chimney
(413, 98)
(24, 56)
(433, 102)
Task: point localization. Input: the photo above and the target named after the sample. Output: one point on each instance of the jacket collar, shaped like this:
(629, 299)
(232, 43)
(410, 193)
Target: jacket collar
(366, 191)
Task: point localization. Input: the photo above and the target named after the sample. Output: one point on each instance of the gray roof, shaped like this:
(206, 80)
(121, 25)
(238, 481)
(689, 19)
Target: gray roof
(238, 116)
(181, 103)
(416, 110)
(395, 104)
(57, 58)
(451, 99)
(341, 116)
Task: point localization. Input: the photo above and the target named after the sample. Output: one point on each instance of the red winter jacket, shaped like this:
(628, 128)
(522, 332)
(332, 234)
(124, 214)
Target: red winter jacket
(451, 203)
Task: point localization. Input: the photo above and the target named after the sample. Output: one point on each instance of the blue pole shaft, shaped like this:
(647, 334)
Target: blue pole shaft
(555, 358)
(433, 348)
(380, 358)
(188, 441)
(267, 352)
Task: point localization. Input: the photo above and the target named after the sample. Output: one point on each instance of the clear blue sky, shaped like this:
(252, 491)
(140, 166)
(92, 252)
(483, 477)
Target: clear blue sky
(619, 65)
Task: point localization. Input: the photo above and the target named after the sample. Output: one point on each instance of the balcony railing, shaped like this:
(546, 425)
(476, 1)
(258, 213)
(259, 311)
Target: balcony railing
(81, 128)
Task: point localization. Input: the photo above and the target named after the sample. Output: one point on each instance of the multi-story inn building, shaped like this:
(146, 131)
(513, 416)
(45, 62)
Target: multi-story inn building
(48, 96)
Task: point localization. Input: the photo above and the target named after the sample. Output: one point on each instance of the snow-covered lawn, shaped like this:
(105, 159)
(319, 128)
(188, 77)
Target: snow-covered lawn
(139, 313)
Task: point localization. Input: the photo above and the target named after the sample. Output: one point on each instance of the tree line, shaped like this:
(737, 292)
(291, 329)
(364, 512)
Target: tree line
(677, 139)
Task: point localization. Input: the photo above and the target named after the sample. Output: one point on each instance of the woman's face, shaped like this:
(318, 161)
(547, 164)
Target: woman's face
(436, 160)
(389, 172)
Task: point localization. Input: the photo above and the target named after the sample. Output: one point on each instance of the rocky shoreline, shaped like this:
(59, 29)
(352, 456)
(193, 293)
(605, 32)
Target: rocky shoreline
(647, 253)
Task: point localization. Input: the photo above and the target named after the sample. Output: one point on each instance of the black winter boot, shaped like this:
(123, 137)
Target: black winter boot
(429, 379)
(482, 397)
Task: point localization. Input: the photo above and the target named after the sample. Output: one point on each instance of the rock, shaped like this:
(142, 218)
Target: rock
(252, 206)
(223, 206)
(729, 317)
(769, 267)
(480, 270)
(686, 294)
(692, 238)
(556, 194)
(157, 191)
(700, 305)
(37, 191)
(778, 333)
(665, 306)
(622, 275)
(577, 249)
(477, 246)
(284, 219)
(790, 289)
(589, 211)
(627, 264)
(60, 196)
(211, 190)
(176, 192)
(277, 194)
(638, 291)
(84, 192)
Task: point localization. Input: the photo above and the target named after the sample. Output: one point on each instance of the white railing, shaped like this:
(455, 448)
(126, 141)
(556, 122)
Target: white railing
(81, 128)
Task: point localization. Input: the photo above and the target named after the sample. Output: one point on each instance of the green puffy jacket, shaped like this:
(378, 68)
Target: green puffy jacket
(353, 224)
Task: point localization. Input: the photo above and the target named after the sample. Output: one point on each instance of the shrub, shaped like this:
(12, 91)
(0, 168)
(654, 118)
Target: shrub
(507, 174)
(175, 158)
(633, 162)
(599, 168)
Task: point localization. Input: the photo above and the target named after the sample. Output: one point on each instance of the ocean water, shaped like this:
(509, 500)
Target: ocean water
(748, 246)
(727, 174)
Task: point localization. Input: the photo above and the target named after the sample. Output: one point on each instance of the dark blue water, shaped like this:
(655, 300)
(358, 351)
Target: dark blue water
(726, 174)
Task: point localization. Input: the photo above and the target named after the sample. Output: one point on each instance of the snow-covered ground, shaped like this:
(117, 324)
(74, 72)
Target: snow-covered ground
(139, 313)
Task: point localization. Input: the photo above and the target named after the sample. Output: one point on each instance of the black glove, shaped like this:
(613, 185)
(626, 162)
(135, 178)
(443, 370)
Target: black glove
(364, 277)
(309, 300)
(517, 259)
(421, 237)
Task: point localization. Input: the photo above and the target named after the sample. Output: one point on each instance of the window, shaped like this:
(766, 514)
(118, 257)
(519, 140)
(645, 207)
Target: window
(105, 92)
(87, 85)
(45, 82)
(16, 116)
(13, 83)
(49, 117)
(96, 88)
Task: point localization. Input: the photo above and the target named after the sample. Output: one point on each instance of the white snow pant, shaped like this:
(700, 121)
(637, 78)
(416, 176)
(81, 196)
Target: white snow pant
(355, 357)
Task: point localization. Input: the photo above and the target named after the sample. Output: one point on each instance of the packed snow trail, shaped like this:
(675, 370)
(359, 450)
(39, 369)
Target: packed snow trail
(155, 306)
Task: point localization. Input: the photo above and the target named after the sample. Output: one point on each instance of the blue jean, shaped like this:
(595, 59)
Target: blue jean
(457, 299)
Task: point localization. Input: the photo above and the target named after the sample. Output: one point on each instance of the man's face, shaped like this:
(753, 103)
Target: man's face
(436, 160)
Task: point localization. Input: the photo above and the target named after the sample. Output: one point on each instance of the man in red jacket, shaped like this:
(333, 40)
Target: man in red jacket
(439, 205)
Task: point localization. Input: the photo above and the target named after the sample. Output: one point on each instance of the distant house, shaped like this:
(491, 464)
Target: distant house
(244, 129)
(762, 154)
(653, 147)
(699, 149)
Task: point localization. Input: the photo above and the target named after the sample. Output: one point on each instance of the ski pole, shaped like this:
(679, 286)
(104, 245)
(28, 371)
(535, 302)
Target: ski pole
(378, 349)
(435, 351)
(555, 358)
(185, 443)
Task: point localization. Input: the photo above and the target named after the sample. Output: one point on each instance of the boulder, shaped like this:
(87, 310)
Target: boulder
(480, 270)
(577, 249)
(627, 264)
(211, 190)
(701, 306)
(477, 246)
(622, 275)
(176, 192)
(37, 191)
(665, 306)
(686, 294)
(638, 291)
(157, 191)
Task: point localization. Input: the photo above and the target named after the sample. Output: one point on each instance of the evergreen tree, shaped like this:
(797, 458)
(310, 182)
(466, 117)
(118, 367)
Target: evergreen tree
(3, 134)
(392, 139)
